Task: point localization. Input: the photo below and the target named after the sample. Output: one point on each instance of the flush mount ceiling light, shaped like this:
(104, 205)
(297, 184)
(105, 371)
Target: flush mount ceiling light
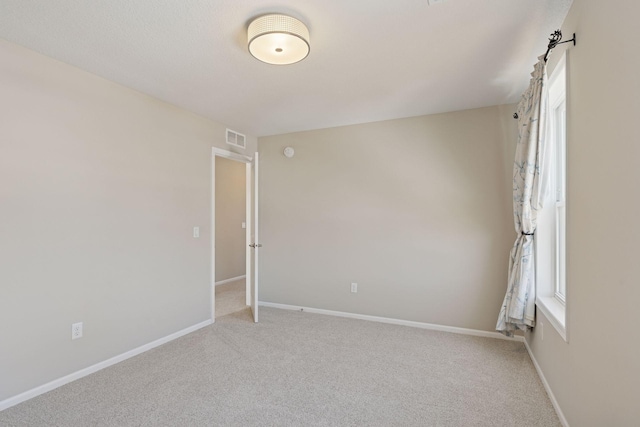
(278, 39)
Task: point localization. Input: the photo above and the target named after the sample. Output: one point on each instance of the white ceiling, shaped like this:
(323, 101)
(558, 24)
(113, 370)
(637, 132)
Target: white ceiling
(370, 59)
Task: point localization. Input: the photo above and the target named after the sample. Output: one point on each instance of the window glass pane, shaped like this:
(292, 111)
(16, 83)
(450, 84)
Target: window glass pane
(561, 286)
(558, 123)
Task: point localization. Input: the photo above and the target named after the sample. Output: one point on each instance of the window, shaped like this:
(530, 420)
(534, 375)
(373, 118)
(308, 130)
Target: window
(557, 104)
(551, 231)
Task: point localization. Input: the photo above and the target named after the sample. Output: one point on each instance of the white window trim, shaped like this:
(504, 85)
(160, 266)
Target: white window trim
(555, 312)
(548, 301)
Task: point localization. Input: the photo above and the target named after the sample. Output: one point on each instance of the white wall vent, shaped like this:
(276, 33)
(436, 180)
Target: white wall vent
(236, 139)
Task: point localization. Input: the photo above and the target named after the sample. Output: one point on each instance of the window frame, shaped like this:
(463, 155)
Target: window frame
(558, 127)
(551, 232)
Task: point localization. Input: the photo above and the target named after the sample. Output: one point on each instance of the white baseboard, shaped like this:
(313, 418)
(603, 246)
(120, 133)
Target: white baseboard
(12, 401)
(233, 279)
(432, 326)
(552, 397)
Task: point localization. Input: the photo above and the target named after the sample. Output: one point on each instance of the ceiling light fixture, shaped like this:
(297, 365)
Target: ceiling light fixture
(278, 39)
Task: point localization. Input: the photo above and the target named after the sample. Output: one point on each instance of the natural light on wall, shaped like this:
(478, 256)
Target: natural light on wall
(550, 237)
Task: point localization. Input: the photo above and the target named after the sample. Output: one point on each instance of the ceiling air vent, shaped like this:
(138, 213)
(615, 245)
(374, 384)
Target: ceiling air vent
(236, 139)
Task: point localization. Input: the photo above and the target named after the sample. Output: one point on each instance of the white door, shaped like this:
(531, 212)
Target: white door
(254, 245)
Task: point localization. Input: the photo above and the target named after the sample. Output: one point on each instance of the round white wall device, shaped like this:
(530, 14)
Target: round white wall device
(288, 152)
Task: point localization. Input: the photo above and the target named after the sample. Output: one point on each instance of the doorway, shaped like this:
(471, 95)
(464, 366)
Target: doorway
(234, 214)
(230, 244)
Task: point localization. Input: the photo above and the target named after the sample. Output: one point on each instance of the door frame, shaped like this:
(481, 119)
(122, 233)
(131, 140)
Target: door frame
(218, 152)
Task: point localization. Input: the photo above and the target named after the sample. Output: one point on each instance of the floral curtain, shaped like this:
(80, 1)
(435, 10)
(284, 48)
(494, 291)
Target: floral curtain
(518, 308)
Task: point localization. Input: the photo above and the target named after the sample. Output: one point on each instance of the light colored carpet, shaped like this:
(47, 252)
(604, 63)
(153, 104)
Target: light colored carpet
(302, 369)
(230, 297)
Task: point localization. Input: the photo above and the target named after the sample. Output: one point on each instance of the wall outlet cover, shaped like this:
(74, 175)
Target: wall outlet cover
(76, 331)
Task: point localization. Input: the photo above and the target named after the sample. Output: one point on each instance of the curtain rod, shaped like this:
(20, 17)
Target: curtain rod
(554, 41)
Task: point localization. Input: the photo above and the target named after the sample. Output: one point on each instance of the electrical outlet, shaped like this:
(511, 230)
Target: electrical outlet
(354, 288)
(76, 330)
(196, 232)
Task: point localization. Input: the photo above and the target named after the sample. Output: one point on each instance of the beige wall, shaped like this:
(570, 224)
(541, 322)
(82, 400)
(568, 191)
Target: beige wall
(100, 187)
(596, 375)
(230, 214)
(414, 210)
